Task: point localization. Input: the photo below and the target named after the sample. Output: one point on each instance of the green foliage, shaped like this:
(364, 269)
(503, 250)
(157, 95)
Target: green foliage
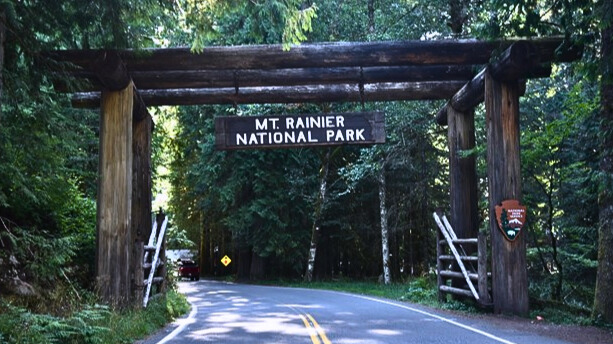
(93, 324)
(560, 190)
(297, 24)
(37, 254)
(527, 18)
(177, 239)
(422, 290)
(23, 327)
(277, 21)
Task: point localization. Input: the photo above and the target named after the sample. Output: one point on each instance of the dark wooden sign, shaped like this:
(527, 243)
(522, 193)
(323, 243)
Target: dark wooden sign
(511, 217)
(251, 132)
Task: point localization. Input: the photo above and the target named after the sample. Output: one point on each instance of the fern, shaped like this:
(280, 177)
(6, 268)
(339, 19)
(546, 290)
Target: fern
(20, 326)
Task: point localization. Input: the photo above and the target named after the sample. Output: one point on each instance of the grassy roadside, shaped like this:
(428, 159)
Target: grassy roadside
(91, 324)
(423, 291)
(420, 290)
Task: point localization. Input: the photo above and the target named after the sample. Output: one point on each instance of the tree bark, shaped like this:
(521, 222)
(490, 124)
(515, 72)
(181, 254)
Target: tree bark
(114, 214)
(319, 205)
(603, 298)
(205, 254)
(2, 40)
(457, 16)
(243, 263)
(385, 251)
(371, 16)
(258, 264)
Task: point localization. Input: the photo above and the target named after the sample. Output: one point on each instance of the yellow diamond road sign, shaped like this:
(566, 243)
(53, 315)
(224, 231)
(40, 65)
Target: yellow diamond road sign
(226, 260)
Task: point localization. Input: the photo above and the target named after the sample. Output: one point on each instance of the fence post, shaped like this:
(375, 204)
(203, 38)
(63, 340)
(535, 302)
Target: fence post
(484, 295)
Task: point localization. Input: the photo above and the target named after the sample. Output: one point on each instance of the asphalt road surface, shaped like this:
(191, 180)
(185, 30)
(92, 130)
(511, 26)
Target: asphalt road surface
(236, 313)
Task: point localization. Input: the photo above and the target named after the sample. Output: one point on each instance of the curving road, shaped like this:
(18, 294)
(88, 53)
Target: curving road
(235, 313)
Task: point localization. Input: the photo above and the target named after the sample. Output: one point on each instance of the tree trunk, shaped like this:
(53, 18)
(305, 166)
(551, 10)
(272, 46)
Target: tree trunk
(256, 272)
(385, 251)
(243, 268)
(371, 16)
(2, 40)
(205, 254)
(457, 16)
(323, 186)
(603, 298)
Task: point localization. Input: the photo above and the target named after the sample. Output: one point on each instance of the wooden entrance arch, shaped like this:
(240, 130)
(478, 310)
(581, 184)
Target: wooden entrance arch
(466, 72)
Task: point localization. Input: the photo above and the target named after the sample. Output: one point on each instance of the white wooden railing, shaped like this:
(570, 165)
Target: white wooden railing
(155, 261)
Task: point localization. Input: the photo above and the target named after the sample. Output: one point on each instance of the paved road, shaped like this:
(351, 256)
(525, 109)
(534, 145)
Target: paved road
(236, 313)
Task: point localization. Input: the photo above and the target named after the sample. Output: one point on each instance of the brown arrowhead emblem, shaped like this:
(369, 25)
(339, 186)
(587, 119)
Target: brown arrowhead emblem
(511, 217)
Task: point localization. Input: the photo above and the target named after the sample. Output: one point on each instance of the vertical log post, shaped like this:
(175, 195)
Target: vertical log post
(509, 274)
(463, 173)
(463, 178)
(482, 285)
(439, 267)
(141, 197)
(114, 237)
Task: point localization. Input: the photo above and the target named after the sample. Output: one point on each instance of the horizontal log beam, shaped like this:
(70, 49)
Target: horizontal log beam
(455, 291)
(317, 55)
(281, 77)
(464, 258)
(295, 94)
(458, 275)
(460, 241)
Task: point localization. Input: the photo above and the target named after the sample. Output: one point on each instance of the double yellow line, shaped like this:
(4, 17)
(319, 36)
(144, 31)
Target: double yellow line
(315, 331)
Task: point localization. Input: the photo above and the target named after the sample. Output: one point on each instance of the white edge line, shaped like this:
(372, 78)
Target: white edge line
(184, 322)
(452, 322)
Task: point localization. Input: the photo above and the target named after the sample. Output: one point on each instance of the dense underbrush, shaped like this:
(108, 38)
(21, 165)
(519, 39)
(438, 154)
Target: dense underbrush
(87, 323)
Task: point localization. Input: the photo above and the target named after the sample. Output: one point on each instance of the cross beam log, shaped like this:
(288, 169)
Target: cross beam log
(509, 68)
(280, 77)
(285, 95)
(317, 55)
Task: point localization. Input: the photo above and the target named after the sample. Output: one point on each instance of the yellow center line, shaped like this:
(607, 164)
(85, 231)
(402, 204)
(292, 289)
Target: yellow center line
(320, 330)
(314, 337)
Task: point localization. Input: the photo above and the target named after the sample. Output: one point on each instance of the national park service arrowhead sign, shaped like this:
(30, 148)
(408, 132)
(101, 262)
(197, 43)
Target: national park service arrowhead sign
(511, 217)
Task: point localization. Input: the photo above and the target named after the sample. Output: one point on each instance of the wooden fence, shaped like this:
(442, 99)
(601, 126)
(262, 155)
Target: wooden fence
(454, 262)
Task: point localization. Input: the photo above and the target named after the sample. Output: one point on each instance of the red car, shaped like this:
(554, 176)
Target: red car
(189, 269)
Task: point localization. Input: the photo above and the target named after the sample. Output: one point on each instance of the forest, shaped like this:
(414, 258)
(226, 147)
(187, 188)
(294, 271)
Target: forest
(267, 209)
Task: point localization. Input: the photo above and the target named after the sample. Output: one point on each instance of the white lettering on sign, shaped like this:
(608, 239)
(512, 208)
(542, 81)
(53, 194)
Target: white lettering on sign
(312, 122)
(262, 124)
(354, 135)
(252, 139)
(302, 129)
